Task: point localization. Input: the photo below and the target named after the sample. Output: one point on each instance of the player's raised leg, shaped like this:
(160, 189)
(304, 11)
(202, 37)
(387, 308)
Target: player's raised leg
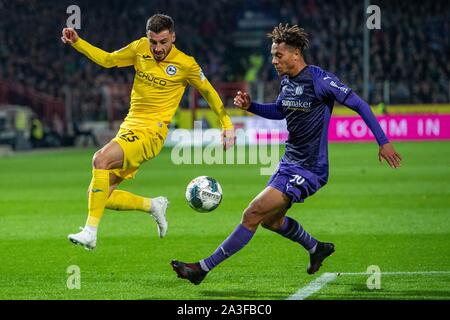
(107, 158)
(268, 203)
(123, 201)
(139, 146)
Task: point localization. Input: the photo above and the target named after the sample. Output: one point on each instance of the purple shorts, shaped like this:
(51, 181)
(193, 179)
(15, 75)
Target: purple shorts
(295, 182)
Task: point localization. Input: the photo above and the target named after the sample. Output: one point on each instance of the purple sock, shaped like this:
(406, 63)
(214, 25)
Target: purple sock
(235, 242)
(291, 229)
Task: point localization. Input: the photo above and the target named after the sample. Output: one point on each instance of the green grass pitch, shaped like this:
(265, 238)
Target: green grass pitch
(398, 220)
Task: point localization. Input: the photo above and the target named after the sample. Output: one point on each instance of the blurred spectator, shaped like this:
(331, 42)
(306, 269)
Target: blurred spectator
(410, 51)
(85, 134)
(37, 132)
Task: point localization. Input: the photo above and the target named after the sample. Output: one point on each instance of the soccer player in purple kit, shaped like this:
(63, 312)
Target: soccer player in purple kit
(306, 98)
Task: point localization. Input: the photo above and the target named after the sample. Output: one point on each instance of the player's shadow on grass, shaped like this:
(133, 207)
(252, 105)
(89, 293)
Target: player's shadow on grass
(242, 294)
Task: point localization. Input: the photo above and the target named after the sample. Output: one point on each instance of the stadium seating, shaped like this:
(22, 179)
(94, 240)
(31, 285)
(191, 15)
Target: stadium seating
(409, 54)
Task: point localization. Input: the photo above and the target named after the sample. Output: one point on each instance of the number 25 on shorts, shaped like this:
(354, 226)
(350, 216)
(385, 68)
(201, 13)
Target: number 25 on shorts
(129, 136)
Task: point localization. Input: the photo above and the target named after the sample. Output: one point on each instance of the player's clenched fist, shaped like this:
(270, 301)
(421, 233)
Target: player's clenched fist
(69, 35)
(242, 100)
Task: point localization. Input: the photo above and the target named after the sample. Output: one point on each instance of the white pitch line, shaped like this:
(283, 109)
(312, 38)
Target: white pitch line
(313, 287)
(393, 273)
(327, 277)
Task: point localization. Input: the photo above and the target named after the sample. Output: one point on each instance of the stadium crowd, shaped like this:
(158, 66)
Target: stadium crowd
(410, 51)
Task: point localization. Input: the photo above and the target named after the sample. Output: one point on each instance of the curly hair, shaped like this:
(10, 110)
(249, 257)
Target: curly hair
(293, 36)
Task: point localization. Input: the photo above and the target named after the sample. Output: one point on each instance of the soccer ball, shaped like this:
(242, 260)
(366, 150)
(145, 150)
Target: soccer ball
(204, 194)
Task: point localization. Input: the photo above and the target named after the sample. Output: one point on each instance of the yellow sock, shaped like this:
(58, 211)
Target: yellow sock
(98, 194)
(123, 200)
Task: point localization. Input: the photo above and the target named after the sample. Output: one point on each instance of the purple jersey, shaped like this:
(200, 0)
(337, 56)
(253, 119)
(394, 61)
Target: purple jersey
(306, 102)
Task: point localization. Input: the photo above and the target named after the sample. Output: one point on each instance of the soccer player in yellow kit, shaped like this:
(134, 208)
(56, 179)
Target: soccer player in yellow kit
(162, 74)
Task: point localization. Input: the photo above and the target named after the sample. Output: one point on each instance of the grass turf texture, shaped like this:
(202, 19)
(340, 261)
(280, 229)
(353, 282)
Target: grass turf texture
(396, 219)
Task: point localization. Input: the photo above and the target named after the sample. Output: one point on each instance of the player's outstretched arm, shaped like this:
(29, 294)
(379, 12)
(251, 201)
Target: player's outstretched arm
(328, 86)
(243, 101)
(69, 36)
(387, 152)
(121, 58)
(228, 138)
(197, 79)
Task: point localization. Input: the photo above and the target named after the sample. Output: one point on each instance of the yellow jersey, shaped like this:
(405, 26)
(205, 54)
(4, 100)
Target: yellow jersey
(158, 85)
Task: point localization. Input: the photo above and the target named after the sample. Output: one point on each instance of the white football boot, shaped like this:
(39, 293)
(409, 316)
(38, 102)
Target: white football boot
(158, 211)
(86, 238)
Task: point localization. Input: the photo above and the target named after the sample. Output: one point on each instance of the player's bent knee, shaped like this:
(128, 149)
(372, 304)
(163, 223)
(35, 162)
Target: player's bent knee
(272, 224)
(268, 226)
(99, 161)
(255, 207)
(253, 215)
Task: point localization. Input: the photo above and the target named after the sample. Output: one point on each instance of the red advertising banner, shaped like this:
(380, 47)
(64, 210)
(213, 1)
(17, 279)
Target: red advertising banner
(353, 128)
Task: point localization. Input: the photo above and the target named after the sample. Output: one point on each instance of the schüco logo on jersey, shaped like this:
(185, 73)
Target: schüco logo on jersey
(151, 78)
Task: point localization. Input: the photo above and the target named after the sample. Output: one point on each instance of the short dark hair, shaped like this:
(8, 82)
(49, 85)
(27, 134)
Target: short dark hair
(160, 22)
(293, 36)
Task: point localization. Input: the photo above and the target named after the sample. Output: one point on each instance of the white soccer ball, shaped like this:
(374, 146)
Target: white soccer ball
(204, 194)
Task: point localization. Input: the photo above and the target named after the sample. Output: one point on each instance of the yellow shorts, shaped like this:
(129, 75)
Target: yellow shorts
(138, 145)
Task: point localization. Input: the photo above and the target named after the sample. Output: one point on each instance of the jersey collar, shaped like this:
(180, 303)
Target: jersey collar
(301, 71)
(172, 54)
